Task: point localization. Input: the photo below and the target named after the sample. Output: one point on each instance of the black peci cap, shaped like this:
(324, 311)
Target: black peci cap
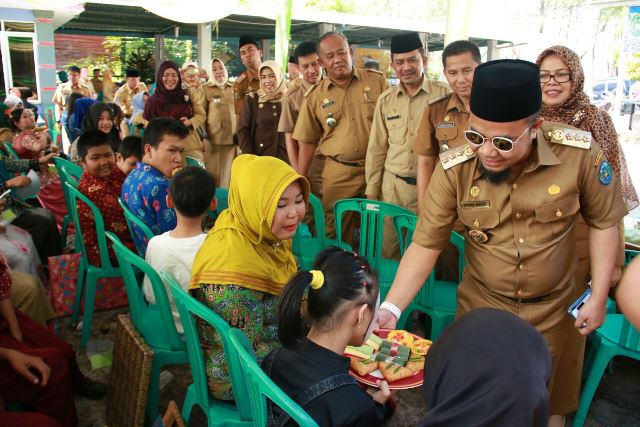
(132, 72)
(247, 40)
(405, 43)
(506, 90)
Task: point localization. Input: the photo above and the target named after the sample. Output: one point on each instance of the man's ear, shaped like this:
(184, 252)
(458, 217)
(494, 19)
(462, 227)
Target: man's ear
(119, 158)
(169, 201)
(213, 205)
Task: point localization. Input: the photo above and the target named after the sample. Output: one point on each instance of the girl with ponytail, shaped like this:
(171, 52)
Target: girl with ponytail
(321, 312)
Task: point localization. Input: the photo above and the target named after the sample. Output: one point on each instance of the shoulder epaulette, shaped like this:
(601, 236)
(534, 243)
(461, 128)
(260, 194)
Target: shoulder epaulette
(388, 91)
(374, 71)
(308, 92)
(455, 156)
(558, 133)
(438, 99)
(241, 77)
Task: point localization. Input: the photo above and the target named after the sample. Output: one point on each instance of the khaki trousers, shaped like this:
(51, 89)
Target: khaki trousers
(341, 182)
(218, 160)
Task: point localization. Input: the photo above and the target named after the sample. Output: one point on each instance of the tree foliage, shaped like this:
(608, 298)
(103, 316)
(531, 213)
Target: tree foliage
(633, 66)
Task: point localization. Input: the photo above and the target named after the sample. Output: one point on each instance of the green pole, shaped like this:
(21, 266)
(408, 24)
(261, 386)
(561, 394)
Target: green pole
(283, 33)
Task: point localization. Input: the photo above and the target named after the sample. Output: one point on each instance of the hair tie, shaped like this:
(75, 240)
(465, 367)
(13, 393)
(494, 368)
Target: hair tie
(317, 279)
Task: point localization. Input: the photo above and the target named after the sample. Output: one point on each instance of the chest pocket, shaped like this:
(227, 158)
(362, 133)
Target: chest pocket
(486, 220)
(397, 130)
(326, 114)
(554, 219)
(446, 134)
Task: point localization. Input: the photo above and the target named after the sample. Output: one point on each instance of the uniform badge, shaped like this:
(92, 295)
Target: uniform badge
(444, 147)
(455, 156)
(599, 157)
(327, 103)
(478, 236)
(604, 174)
(446, 118)
(572, 137)
(366, 93)
(260, 105)
(331, 122)
(474, 192)
(476, 223)
(553, 190)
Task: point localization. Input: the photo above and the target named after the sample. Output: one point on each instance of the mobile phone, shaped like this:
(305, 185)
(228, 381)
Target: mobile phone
(5, 194)
(576, 306)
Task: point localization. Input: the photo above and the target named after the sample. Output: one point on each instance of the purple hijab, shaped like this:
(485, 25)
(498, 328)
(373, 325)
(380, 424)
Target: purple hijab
(167, 103)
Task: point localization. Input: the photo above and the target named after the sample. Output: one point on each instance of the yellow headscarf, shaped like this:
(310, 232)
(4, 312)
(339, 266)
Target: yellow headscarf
(241, 249)
(281, 87)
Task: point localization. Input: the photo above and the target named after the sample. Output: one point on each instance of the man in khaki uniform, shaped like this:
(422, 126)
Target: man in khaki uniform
(65, 89)
(124, 95)
(337, 114)
(249, 80)
(390, 165)
(445, 119)
(518, 190)
(308, 63)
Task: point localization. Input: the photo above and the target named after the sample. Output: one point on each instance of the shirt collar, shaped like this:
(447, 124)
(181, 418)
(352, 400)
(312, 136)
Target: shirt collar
(456, 102)
(324, 356)
(354, 74)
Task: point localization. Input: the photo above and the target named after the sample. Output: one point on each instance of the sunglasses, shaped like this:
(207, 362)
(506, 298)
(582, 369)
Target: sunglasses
(499, 142)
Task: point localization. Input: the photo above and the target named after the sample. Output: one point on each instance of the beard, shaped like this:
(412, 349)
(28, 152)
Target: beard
(494, 177)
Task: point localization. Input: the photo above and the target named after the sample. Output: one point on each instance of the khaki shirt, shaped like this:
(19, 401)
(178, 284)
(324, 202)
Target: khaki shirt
(246, 83)
(124, 97)
(529, 223)
(352, 109)
(442, 126)
(221, 115)
(65, 89)
(291, 106)
(393, 131)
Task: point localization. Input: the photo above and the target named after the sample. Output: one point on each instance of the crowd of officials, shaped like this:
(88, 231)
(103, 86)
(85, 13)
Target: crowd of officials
(510, 154)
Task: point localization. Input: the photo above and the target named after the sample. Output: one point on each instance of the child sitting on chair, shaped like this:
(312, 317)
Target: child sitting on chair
(340, 300)
(191, 194)
(129, 154)
(101, 182)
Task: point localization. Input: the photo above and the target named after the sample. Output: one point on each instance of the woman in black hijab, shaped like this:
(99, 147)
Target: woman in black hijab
(490, 368)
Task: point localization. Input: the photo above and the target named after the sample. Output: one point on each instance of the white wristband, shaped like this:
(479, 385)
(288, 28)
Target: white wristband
(392, 308)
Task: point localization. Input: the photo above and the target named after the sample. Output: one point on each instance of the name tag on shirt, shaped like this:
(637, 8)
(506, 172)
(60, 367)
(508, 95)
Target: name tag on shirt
(475, 204)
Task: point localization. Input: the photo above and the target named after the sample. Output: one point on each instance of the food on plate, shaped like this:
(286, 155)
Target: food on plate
(362, 352)
(401, 337)
(415, 363)
(420, 347)
(392, 372)
(374, 341)
(363, 366)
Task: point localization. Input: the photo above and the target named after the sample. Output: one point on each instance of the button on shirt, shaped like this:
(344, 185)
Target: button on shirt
(351, 107)
(529, 223)
(145, 193)
(393, 132)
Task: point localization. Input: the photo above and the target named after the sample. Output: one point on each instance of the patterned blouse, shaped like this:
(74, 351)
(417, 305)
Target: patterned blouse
(145, 193)
(104, 193)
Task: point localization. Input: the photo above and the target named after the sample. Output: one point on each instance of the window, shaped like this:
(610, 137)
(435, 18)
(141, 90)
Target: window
(17, 56)
(21, 27)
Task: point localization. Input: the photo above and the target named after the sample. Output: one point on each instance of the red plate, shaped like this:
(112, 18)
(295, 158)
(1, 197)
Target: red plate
(410, 382)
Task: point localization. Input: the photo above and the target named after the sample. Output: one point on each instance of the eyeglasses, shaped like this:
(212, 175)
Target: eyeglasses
(499, 142)
(560, 77)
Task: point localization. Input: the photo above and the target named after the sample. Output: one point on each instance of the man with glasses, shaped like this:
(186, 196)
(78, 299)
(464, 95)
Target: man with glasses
(390, 165)
(73, 85)
(518, 188)
(307, 62)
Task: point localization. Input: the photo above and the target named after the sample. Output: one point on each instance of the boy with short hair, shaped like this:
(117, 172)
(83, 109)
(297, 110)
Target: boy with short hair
(145, 189)
(101, 182)
(191, 194)
(129, 153)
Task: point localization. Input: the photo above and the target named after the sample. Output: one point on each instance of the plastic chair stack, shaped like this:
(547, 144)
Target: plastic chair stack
(261, 387)
(436, 298)
(89, 274)
(154, 321)
(372, 217)
(219, 413)
(50, 115)
(70, 171)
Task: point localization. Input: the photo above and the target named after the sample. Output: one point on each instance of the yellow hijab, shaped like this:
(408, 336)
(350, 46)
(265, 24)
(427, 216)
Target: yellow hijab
(281, 87)
(241, 249)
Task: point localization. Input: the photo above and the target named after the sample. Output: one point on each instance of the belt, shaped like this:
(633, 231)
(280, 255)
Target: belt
(408, 179)
(355, 164)
(533, 300)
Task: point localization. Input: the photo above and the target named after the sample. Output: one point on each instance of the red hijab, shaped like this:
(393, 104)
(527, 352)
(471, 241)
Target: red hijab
(168, 103)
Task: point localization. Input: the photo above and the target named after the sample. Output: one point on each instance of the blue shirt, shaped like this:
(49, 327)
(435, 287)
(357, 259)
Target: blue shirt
(145, 193)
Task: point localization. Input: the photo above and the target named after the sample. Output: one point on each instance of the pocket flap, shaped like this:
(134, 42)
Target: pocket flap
(448, 134)
(558, 210)
(479, 219)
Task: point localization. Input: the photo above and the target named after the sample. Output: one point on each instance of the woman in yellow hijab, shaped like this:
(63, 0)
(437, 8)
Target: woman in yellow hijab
(260, 116)
(246, 259)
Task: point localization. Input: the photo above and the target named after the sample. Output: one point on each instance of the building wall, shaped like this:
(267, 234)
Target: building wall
(70, 47)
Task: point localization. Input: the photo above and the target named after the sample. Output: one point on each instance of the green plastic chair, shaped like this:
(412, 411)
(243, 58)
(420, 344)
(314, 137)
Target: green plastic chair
(629, 255)
(192, 161)
(154, 321)
(262, 387)
(134, 221)
(8, 146)
(71, 169)
(305, 246)
(50, 116)
(616, 337)
(89, 274)
(219, 413)
(372, 216)
(436, 298)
